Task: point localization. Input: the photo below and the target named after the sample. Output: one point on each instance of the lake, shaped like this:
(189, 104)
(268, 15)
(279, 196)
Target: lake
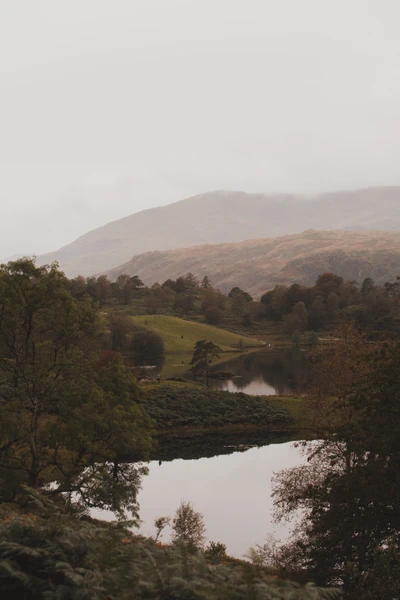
(231, 490)
(263, 372)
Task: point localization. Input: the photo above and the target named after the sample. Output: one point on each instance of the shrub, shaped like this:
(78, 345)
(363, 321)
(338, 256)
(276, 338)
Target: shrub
(203, 407)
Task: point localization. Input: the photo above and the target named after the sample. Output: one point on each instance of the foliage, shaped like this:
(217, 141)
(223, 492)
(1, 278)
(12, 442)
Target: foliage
(204, 354)
(202, 407)
(216, 552)
(126, 286)
(349, 490)
(188, 527)
(50, 554)
(147, 347)
(213, 315)
(160, 523)
(66, 417)
(120, 331)
(331, 299)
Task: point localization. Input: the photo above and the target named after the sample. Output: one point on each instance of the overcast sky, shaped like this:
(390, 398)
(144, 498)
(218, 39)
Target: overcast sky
(111, 106)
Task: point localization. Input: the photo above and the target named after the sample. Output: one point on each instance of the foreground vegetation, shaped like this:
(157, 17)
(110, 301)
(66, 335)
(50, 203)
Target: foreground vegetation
(68, 410)
(50, 554)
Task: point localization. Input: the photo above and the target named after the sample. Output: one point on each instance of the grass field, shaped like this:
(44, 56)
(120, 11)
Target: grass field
(180, 337)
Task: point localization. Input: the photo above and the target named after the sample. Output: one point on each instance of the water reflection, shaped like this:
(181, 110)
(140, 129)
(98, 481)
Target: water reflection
(232, 491)
(264, 372)
(206, 445)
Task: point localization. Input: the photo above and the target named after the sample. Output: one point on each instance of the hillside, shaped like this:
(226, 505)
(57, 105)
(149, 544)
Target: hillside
(259, 265)
(179, 337)
(225, 216)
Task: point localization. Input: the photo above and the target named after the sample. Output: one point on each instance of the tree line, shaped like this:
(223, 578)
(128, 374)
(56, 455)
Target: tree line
(295, 308)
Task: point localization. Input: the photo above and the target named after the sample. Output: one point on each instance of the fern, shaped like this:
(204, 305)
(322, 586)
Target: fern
(56, 556)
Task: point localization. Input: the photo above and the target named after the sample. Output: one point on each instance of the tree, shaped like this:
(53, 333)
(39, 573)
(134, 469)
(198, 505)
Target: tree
(103, 288)
(77, 286)
(367, 286)
(349, 490)
(160, 523)
(205, 282)
(203, 356)
(58, 419)
(127, 285)
(157, 297)
(43, 335)
(332, 305)
(191, 282)
(276, 302)
(152, 302)
(121, 329)
(213, 315)
(188, 527)
(328, 282)
(169, 283)
(239, 304)
(184, 301)
(316, 314)
(147, 347)
(236, 291)
(212, 297)
(297, 320)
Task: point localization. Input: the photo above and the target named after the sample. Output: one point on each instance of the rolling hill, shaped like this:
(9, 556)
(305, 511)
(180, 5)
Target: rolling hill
(259, 265)
(179, 337)
(225, 216)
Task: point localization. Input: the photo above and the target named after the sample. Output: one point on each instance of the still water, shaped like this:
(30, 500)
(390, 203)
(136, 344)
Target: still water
(232, 491)
(263, 373)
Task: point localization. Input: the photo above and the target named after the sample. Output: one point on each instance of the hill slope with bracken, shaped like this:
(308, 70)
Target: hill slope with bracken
(259, 265)
(225, 216)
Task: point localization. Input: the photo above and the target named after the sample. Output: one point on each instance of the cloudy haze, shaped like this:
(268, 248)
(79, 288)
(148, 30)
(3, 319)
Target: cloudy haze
(112, 106)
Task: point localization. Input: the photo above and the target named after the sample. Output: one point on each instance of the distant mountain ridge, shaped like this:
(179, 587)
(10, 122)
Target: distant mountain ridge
(226, 216)
(259, 265)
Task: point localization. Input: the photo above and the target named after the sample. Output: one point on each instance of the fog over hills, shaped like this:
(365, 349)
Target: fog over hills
(259, 265)
(226, 216)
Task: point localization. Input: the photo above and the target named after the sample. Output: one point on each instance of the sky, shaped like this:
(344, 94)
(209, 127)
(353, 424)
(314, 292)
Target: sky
(108, 107)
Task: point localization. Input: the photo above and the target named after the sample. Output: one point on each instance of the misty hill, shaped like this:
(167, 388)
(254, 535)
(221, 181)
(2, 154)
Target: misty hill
(217, 217)
(259, 265)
